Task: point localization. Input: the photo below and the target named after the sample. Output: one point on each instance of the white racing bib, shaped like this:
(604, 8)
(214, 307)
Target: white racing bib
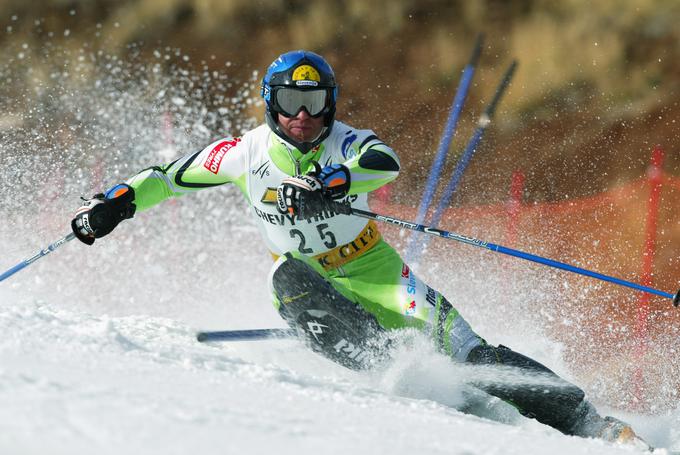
(284, 232)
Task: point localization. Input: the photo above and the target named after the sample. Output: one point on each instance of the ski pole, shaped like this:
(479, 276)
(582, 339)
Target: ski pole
(46, 251)
(245, 335)
(449, 132)
(347, 209)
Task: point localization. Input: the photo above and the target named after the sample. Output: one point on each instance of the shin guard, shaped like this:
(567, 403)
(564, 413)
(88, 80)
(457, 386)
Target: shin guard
(544, 396)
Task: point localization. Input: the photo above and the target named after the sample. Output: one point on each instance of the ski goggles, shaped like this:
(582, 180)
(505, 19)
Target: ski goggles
(290, 101)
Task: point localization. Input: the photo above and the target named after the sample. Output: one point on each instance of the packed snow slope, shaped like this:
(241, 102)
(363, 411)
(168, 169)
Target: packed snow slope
(73, 382)
(97, 344)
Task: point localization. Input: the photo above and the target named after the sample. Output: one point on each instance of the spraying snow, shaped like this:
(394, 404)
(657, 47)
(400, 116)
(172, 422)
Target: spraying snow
(98, 350)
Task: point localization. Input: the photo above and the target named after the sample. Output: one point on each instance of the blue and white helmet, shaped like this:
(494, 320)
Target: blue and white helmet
(300, 80)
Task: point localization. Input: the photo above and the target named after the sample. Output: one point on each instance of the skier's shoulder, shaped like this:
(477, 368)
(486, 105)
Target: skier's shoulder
(231, 154)
(350, 140)
(258, 134)
(237, 144)
(342, 131)
(243, 140)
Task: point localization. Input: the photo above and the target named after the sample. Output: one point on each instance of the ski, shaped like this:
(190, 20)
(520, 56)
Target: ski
(245, 335)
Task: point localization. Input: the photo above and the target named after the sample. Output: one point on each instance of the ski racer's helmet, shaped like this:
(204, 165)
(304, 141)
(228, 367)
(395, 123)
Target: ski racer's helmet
(300, 80)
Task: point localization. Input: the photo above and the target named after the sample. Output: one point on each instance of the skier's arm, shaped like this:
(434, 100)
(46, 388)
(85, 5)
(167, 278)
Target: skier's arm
(374, 165)
(217, 164)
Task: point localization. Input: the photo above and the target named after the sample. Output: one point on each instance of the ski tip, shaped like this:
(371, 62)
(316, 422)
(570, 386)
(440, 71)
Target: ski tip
(201, 337)
(676, 299)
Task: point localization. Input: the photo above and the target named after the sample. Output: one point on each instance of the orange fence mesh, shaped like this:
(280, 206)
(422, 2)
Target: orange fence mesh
(603, 233)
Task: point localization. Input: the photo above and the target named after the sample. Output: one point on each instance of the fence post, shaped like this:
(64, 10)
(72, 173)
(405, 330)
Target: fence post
(655, 178)
(514, 206)
(381, 197)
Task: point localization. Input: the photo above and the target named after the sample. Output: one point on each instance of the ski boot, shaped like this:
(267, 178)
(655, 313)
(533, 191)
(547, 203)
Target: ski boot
(610, 429)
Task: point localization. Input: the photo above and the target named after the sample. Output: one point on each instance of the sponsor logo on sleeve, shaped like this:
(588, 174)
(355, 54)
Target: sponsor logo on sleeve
(431, 297)
(410, 279)
(346, 149)
(212, 163)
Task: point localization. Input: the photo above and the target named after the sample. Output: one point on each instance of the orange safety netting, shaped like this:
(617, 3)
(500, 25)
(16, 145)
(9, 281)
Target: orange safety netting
(604, 233)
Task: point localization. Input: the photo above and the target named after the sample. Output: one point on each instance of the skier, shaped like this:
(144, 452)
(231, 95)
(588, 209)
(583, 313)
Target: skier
(334, 278)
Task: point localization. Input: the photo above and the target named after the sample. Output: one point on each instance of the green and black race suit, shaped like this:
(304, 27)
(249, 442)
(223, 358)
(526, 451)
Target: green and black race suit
(347, 251)
(345, 258)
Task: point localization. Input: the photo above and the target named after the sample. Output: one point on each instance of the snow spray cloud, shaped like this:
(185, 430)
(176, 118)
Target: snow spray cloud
(75, 122)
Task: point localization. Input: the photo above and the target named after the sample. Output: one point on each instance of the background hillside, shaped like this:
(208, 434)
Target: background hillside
(597, 86)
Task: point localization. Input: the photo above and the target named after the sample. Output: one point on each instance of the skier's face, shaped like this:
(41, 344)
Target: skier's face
(302, 127)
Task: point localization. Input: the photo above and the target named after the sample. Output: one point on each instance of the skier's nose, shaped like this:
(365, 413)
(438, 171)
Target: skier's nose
(303, 115)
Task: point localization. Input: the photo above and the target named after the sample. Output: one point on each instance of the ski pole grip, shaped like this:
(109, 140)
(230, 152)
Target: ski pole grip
(676, 299)
(341, 207)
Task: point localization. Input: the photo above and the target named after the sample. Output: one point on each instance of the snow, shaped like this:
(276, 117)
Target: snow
(73, 382)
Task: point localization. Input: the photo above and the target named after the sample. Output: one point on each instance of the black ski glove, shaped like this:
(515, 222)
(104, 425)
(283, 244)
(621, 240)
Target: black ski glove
(101, 214)
(302, 196)
(334, 178)
(309, 195)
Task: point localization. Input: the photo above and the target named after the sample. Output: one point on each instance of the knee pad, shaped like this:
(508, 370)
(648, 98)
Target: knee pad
(331, 323)
(459, 340)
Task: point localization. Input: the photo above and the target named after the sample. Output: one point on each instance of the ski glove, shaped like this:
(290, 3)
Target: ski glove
(334, 178)
(101, 214)
(301, 196)
(309, 195)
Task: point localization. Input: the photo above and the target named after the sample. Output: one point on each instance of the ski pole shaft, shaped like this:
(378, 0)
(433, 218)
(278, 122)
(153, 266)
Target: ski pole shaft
(449, 132)
(46, 251)
(504, 250)
(245, 335)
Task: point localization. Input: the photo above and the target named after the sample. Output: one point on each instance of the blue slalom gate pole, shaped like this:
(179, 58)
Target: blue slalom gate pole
(445, 142)
(482, 124)
(46, 251)
(508, 251)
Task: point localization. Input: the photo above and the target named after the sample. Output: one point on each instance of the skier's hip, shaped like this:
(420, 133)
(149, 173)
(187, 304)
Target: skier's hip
(343, 254)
